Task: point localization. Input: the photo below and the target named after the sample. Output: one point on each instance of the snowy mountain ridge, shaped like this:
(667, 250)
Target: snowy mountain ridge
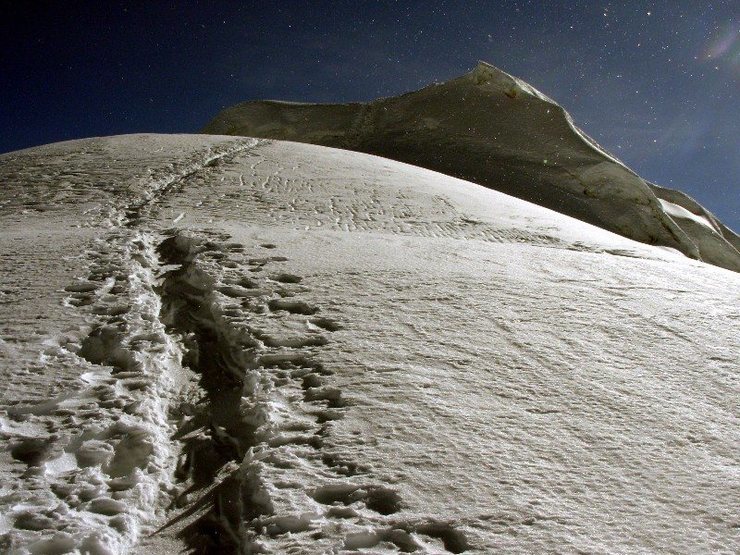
(494, 129)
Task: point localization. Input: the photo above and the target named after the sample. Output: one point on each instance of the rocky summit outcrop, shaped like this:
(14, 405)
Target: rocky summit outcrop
(496, 130)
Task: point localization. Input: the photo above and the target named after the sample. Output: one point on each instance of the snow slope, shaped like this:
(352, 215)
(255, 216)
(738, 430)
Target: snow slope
(241, 345)
(496, 130)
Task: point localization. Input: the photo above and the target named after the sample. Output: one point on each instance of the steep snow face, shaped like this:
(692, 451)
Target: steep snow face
(239, 345)
(496, 130)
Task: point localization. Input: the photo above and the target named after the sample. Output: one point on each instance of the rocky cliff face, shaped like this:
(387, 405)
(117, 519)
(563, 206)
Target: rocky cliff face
(496, 130)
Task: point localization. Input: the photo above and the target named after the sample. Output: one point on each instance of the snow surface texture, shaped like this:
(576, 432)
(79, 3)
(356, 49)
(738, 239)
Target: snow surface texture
(239, 345)
(491, 128)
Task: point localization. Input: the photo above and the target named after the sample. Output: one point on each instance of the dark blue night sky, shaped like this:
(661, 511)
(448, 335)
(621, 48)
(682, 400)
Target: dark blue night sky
(656, 82)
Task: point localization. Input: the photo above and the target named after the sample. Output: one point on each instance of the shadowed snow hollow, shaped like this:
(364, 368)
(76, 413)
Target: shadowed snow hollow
(225, 345)
(491, 128)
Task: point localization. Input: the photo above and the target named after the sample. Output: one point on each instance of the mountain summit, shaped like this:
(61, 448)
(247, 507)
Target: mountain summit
(496, 130)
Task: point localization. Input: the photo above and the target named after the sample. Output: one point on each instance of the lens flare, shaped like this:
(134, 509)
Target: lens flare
(724, 44)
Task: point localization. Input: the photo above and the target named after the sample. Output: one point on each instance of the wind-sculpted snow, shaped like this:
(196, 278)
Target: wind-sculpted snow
(219, 345)
(706, 231)
(491, 128)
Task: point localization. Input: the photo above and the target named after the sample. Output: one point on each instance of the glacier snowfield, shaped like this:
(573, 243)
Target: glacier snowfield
(234, 345)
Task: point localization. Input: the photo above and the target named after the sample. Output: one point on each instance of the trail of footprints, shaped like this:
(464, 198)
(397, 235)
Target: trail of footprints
(244, 433)
(95, 459)
(273, 417)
